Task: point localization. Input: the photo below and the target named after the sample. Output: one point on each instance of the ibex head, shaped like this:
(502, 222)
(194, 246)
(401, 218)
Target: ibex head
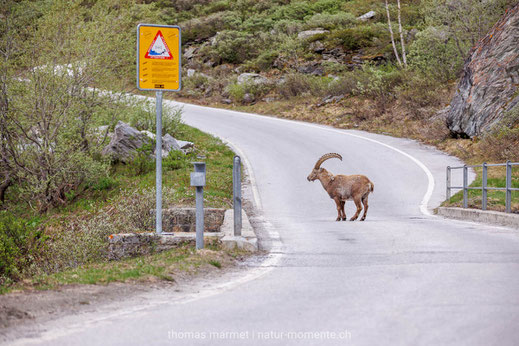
(317, 168)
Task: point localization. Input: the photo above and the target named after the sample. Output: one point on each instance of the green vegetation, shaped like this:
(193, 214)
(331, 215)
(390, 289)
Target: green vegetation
(355, 60)
(60, 198)
(495, 198)
(76, 233)
(167, 265)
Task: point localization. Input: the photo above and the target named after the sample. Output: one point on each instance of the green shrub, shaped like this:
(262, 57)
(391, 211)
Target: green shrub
(378, 83)
(344, 85)
(104, 183)
(143, 117)
(501, 143)
(330, 21)
(176, 159)
(257, 23)
(288, 26)
(355, 38)
(196, 81)
(205, 27)
(419, 92)
(295, 84)
(234, 47)
(434, 53)
(293, 11)
(330, 6)
(142, 161)
(217, 6)
(237, 91)
(14, 234)
(262, 62)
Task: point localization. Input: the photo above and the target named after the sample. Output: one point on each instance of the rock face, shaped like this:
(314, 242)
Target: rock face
(489, 85)
(312, 68)
(125, 141)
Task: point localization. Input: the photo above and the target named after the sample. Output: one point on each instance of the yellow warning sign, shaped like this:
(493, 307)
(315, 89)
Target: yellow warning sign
(158, 57)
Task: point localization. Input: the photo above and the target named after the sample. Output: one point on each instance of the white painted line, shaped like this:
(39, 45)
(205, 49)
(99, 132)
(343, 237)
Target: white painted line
(248, 169)
(430, 179)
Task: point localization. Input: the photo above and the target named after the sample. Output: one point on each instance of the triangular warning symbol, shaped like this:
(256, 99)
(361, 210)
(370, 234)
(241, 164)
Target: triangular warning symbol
(159, 48)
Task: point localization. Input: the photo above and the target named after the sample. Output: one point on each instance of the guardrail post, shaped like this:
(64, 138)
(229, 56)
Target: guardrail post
(465, 187)
(448, 192)
(236, 183)
(484, 187)
(508, 187)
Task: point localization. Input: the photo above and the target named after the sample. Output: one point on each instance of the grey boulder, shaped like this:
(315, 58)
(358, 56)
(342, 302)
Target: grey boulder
(125, 142)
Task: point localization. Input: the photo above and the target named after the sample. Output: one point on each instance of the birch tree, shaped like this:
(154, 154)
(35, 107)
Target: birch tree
(401, 62)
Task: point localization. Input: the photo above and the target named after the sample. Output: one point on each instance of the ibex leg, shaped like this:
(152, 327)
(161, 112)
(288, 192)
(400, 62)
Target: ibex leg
(365, 202)
(342, 210)
(338, 202)
(359, 209)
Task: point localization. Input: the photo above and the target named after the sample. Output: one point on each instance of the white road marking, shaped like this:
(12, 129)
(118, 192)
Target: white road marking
(430, 179)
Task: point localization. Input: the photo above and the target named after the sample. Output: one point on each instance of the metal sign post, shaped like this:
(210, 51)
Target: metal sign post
(158, 165)
(158, 68)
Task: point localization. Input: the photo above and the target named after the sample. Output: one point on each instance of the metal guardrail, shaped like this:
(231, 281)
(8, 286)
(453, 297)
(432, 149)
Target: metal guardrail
(508, 189)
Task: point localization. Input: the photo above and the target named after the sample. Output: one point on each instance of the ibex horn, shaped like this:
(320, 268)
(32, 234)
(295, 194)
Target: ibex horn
(326, 157)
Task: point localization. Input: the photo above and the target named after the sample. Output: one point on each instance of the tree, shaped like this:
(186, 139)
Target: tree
(404, 57)
(49, 100)
(466, 20)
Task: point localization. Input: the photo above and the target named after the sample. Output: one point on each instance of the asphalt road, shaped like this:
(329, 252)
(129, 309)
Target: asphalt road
(402, 277)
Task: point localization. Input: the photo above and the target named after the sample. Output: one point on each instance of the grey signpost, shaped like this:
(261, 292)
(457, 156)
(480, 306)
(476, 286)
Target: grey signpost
(158, 166)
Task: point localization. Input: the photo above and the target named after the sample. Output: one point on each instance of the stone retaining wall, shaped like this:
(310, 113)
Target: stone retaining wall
(138, 244)
(184, 219)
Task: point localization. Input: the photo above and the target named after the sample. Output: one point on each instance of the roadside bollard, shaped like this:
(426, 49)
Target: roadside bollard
(198, 180)
(236, 184)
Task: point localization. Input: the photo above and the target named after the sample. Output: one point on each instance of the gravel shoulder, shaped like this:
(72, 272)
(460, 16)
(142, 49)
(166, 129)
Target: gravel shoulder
(26, 314)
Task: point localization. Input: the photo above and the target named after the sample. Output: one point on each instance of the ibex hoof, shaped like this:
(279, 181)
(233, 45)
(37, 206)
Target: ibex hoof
(343, 219)
(353, 219)
(363, 219)
(338, 219)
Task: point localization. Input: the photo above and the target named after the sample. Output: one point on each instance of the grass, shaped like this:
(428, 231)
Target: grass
(215, 263)
(165, 266)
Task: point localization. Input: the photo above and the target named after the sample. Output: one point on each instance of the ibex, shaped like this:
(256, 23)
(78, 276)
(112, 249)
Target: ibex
(343, 187)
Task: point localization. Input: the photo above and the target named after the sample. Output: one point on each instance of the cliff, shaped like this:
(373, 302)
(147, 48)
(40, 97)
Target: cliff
(489, 84)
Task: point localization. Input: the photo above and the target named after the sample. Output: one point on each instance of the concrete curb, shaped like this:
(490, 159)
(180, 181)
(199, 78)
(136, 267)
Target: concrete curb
(247, 241)
(483, 216)
(137, 244)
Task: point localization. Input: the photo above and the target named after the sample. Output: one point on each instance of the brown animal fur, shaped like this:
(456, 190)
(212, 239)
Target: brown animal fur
(341, 188)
